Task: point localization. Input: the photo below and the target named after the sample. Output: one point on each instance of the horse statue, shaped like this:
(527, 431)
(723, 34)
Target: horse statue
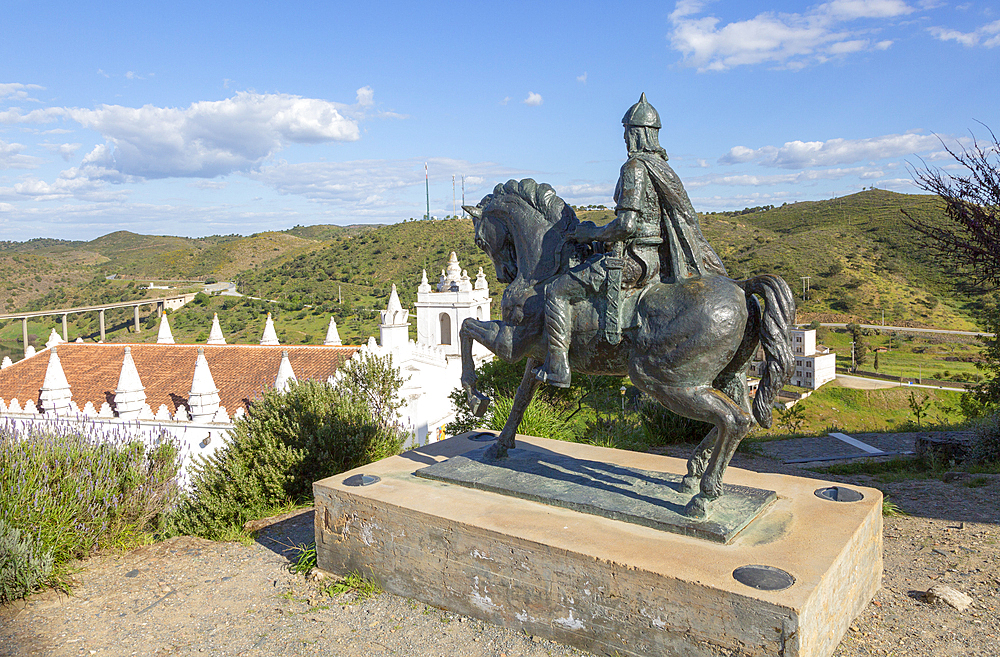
(688, 345)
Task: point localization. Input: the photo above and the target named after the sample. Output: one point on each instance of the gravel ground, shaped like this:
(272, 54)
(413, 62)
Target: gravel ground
(188, 596)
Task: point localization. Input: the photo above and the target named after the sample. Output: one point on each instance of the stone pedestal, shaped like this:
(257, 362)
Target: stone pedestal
(602, 584)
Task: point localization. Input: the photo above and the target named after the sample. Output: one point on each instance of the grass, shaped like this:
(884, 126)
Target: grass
(836, 408)
(354, 583)
(306, 559)
(890, 510)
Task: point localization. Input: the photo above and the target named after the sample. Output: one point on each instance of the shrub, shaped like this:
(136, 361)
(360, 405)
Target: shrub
(540, 419)
(663, 426)
(71, 492)
(22, 568)
(287, 441)
(986, 447)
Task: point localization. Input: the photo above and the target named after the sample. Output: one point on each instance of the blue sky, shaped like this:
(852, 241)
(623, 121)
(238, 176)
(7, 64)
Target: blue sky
(195, 118)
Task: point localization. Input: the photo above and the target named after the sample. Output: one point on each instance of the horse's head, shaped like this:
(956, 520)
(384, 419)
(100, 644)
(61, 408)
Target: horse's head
(520, 226)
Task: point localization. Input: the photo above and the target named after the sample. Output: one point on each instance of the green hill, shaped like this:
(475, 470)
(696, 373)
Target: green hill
(860, 256)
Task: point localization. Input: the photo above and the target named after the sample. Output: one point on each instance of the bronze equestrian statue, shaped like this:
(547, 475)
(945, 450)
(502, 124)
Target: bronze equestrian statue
(645, 295)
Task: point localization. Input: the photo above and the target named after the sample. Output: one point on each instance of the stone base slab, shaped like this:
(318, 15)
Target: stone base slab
(601, 584)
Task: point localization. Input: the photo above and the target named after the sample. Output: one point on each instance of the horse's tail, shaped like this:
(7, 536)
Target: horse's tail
(779, 313)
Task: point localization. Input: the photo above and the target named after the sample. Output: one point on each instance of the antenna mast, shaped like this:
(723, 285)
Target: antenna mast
(427, 187)
(454, 210)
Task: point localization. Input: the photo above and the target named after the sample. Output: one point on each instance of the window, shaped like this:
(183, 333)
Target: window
(809, 364)
(445, 321)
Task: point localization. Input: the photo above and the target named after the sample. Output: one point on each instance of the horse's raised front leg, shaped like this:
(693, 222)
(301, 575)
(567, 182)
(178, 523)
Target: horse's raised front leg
(525, 391)
(509, 342)
(485, 333)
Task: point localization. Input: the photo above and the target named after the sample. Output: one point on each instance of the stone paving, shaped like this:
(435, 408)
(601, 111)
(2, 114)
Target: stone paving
(828, 448)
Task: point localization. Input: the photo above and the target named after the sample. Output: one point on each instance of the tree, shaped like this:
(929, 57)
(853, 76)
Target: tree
(968, 240)
(984, 398)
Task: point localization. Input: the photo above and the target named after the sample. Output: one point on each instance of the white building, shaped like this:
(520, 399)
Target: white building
(814, 364)
(191, 391)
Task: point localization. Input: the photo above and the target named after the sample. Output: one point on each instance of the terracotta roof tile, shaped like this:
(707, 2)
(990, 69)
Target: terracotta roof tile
(240, 371)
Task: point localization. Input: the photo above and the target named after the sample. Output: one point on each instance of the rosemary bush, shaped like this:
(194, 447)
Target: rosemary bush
(71, 491)
(286, 441)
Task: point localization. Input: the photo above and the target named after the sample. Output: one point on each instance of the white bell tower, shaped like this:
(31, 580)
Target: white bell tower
(441, 311)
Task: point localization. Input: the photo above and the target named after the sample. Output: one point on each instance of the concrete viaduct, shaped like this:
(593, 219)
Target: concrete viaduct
(161, 303)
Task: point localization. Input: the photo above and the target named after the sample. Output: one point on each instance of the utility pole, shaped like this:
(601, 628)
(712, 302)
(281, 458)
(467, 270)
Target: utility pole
(463, 189)
(427, 188)
(805, 285)
(853, 366)
(454, 210)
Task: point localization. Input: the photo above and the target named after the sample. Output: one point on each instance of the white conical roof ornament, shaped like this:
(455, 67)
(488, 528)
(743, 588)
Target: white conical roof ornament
(332, 334)
(54, 339)
(215, 335)
(130, 395)
(481, 283)
(30, 351)
(203, 400)
(55, 396)
(7, 362)
(424, 286)
(164, 336)
(285, 374)
(394, 315)
(269, 338)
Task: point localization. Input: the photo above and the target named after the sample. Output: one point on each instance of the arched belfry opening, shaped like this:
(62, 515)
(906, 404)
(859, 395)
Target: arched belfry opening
(445, 320)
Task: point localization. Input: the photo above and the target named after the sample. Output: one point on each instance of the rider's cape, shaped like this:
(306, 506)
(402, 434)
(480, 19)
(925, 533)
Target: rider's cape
(684, 253)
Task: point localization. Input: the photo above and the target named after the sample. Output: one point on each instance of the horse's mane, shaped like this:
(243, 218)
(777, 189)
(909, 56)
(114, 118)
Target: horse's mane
(541, 197)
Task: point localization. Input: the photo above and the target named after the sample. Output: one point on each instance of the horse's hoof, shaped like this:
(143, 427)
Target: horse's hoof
(697, 508)
(690, 484)
(478, 403)
(495, 452)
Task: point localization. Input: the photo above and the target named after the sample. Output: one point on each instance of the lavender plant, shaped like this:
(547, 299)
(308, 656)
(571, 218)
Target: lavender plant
(71, 491)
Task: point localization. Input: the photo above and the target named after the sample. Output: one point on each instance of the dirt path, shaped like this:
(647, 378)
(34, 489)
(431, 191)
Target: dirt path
(188, 596)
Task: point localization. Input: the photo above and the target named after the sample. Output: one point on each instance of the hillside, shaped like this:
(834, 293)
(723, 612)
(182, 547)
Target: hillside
(860, 257)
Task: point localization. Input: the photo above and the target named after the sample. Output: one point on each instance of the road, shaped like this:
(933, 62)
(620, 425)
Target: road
(863, 383)
(907, 329)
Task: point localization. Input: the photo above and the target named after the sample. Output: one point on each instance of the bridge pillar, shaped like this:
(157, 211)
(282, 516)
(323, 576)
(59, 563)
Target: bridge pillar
(24, 333)
(136, 314)
(159, 309)
(102, 324)
(65, 329)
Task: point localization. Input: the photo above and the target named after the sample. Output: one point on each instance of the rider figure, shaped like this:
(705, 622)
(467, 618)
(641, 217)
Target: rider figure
(655, 237)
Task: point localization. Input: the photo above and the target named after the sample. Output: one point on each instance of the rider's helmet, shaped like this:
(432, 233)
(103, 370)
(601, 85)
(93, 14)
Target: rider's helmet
(642, 115)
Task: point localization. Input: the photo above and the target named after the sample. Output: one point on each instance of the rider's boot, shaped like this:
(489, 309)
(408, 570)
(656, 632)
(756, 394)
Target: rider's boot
(556, 371)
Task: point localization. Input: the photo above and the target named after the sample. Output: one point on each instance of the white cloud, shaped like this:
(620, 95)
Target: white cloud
(801, 154)
(988, 35)
(132, 75)
(17, 90)
(754, 180)
(533, 99)
(206, 139)
(66, 151)
(47, 115)
(582, 78)
(209, 138)
(366, 96)
(506, 99)
(790, 40)
(370, 186)
(71, 183)
(12, 157)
